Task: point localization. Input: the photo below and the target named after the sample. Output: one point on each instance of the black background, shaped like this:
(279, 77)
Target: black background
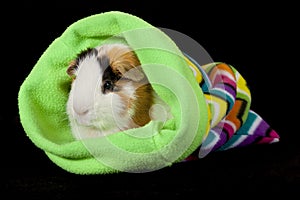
(257, 39)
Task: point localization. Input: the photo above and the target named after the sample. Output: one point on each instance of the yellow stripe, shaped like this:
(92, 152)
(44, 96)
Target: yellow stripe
(242, 85)
(195, 70)
(208, 122)
(217, 107)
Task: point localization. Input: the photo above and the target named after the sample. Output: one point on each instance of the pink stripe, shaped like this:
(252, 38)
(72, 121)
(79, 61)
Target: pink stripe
(229, 128)
(273, 134)
(224, 79)
(265, 140)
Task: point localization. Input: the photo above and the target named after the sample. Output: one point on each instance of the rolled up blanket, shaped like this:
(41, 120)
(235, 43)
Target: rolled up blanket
(210, 104)
(233, 124)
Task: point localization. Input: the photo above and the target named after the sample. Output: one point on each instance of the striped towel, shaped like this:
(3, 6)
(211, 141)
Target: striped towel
(232, 122)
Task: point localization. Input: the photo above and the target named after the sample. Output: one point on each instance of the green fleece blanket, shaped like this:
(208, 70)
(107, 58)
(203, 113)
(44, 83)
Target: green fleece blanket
(44, 93)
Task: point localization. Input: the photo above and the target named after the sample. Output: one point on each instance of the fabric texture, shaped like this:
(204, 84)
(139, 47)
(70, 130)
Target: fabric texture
(232, 122)
(214, 116)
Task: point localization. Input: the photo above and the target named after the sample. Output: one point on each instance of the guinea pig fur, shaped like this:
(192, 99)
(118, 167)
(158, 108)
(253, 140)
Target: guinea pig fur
(110, 92)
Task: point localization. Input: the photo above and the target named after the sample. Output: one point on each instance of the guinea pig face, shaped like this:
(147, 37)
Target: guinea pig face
(109, 91)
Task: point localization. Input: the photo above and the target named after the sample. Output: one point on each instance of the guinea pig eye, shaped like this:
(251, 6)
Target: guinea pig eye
(108, 86)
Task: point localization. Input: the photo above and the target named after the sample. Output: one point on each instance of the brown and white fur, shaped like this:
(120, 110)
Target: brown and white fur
(110, 92)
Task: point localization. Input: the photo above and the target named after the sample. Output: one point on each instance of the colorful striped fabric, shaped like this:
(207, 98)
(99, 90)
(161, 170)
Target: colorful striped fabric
(232, 122)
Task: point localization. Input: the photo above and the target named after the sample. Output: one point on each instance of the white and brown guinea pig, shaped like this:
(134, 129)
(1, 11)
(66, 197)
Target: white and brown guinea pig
(110, 93)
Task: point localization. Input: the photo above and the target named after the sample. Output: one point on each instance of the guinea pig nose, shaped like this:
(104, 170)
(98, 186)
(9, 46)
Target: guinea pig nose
(81, 111)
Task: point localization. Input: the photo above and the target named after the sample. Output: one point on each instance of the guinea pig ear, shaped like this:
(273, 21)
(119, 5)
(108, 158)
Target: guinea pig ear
(71, 69)
(132, 73)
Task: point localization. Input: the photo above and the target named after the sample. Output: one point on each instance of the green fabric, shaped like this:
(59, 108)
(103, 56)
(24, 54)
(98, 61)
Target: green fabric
(43, 96)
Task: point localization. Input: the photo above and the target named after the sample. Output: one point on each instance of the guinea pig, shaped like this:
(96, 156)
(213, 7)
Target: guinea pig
(110, 93)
